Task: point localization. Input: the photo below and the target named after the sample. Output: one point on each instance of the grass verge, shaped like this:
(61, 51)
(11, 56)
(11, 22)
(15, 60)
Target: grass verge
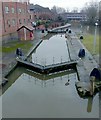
(88, 42)
(11, 47)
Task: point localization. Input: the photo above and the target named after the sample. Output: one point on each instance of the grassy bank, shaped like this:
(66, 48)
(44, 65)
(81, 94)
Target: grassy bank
(88, 41)
(11, 47)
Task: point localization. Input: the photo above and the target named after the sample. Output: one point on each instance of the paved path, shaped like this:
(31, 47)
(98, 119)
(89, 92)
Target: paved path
(86, 64)
(61, 27)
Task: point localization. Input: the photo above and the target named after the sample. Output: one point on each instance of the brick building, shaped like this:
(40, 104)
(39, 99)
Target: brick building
(14, 15)
(25, 33)
(38, 12)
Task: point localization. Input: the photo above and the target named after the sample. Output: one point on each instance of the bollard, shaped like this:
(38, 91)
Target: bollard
(69, 31)
(81, 37)
(81, 53)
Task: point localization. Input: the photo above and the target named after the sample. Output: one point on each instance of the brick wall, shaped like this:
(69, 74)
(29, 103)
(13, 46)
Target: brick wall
(14, 15)
(16, 11)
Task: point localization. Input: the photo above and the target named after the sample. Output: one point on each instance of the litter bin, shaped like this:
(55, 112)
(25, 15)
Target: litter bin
(81, 53)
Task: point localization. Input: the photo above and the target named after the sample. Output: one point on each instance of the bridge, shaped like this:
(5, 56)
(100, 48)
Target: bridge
(60, 29)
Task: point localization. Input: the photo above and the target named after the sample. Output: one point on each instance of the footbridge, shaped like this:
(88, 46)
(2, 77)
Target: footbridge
(60, 29)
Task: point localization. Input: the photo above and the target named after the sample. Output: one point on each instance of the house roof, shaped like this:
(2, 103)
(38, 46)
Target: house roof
(38, 8)
(29, 27)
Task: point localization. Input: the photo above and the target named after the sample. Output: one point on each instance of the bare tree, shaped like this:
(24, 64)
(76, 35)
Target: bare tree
(67, 10)
(75, 10)
(54, 9)
(91, 11)
(58, 10)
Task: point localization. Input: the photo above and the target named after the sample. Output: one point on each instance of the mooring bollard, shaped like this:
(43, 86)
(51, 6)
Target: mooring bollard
(81, 53)
(81, 37)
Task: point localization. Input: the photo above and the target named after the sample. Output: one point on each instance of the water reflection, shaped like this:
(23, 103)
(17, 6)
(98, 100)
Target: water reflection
(22, 71)
(50, 52)
(32, 92)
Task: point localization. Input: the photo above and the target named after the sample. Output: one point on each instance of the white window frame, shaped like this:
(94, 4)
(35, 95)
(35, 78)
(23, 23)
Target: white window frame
(13, 10)
(6, 9)
(13, 22)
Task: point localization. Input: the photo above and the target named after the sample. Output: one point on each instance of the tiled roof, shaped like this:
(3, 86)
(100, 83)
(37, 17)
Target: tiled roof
(38, 8)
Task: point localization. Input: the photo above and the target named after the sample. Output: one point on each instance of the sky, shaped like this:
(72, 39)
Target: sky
(70, 4)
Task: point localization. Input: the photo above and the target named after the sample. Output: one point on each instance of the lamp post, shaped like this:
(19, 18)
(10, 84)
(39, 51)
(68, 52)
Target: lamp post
(94, 43)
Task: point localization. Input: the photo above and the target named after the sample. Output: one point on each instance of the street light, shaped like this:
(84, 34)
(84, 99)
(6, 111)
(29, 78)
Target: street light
(94, 43)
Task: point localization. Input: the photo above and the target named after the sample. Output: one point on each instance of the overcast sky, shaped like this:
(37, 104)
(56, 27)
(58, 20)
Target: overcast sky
(62, 3)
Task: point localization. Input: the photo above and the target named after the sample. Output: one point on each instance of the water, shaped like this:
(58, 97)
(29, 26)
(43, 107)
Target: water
(32, 95)
(51, 51)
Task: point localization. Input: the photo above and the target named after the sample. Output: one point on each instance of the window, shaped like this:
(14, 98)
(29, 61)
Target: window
(24, 21)
(6, 9)
(19, 10)
(23, 10)
(20, 21)
(12, 10)
(28, 11)
(30, 17)
(28, 20)
(8, 23)
(13, 22)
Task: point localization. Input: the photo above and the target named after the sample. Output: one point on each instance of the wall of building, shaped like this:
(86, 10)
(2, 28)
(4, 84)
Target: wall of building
(74, 16)
(14, 15)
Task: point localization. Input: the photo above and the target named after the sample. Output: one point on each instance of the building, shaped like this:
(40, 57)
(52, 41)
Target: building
(26, 33)
(14, 15)
(38, 12)
(75, 16)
